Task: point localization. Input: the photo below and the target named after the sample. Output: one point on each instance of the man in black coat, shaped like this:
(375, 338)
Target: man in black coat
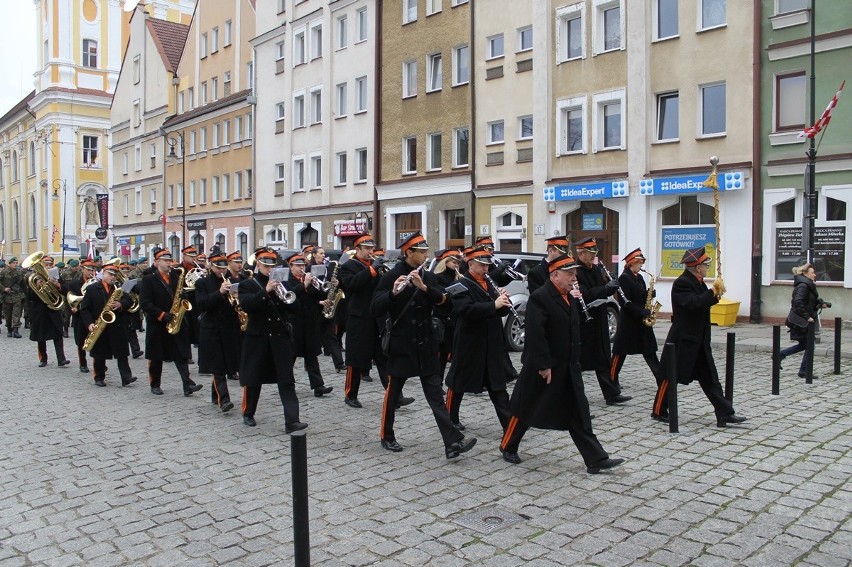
(690, 333)
(220, 339)
(46, 323)
(538, 275)
(75, 287)
(633, 335)
(189, 262)
(549, 393)
(156, 297)
(305, 318)
(267, 355)
(236, 274)
(478, 348)
(405, 296)
(112, 342)
(595, 286)
(447, 273)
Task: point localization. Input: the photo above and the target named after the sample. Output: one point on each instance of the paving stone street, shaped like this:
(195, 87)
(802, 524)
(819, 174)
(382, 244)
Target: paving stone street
(116, 476)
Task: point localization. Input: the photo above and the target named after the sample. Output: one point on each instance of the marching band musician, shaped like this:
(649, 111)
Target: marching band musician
(632, 335)
(305, 316)
(267, 355)
(406, 297)
(156, 296)
(690, 333)
(112, 342)
(596, 353)
(130, 318)
(46, 323)
(447, 273)
(538, 275)
(236, 274)
(479, 349)
(190, 323)
(331, 345)
(219, 328)
(549, 393)
(81, 330)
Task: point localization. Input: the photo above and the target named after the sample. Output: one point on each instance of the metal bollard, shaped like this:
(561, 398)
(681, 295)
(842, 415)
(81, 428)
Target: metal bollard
(730, 354)
(299, 472)
(809, 350)
(671, 374)
(776, 359)
(838, 326)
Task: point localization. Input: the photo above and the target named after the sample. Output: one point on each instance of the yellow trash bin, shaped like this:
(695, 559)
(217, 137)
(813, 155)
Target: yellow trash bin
(724, 313)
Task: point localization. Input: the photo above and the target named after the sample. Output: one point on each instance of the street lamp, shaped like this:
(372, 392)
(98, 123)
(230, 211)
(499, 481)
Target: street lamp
(57, 183)
(177, 141)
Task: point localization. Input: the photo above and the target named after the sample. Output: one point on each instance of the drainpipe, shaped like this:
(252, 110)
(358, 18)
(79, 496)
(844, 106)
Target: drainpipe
(472, 130)
(757, 159)
(377, 128)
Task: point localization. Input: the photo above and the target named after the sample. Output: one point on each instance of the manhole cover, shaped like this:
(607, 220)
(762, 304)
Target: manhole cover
(489, 520)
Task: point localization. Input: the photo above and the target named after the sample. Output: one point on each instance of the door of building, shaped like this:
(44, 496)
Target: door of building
(592, 219)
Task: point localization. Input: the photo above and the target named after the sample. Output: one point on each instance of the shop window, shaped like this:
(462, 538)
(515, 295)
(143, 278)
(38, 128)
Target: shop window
(786, 211)
(455, 228)
(309, 236)
(406, 225)
(835, 209)
(688, 211)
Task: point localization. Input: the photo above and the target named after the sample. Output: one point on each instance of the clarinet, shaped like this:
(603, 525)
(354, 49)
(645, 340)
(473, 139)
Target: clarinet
(620, 291)
(511, 306)
(583, 305)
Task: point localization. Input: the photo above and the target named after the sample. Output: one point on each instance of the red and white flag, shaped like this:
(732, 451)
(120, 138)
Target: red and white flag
(823, 120)
(53, 234)
(91, 255)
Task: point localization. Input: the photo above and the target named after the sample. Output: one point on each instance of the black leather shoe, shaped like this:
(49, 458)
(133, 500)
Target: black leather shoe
(188, 391)
(129, 381)
(510, 457)
(320, 391)
(42, 364)
(296, 426)
(403, 401)
(156, 391)
(724, 421)
(226, 407)
(660, 418)
(340, 369)
(248, 420)
(603, 465)
(100, 383)
(353, 403)
(138, 353)
(366, 378)
(453, 450)
(65, 333)
(64, 363)
(460, 426)
(391, 446)
(84, 369)
(619, 399)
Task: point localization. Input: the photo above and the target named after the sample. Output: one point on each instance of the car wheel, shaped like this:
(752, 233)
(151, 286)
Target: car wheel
(515, 332)
(612, 321)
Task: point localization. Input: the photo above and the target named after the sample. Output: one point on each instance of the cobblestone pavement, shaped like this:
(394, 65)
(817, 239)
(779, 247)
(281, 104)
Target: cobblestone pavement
(116, 476)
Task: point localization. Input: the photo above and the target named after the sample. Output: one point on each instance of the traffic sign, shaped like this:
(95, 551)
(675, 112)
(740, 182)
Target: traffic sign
(101, 233)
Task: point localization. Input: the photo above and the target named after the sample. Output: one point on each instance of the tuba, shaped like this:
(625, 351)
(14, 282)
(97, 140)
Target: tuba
(39, 282)
(179, 306)
(651, 304)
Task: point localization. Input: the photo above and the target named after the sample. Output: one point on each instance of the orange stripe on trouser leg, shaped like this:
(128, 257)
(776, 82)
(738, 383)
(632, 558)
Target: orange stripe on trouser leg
(347, 387)
(613, 367)
(245, 400)
(449, 398)
(216, 391)
(385, 409)
(510, 429)
(661, 396)
(150, 378)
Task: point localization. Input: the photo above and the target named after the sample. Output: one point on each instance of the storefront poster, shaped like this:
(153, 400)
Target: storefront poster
(829, 252)
(678, 240)
(593, 221)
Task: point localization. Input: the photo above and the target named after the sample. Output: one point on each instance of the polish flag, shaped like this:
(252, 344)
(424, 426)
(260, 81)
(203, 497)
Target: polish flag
(824, 119)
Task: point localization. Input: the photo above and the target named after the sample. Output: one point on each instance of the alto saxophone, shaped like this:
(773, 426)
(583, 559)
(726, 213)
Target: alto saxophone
(179, 306)
(234, 302)
(335, 294)
(107, 317)
(651, 304)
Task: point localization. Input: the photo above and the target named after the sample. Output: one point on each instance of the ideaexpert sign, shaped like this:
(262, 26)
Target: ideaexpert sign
(587, 191)
(728, 181)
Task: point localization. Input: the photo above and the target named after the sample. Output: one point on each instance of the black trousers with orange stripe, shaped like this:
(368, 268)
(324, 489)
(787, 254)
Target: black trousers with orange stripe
(353, 378)
(289, 401)
(58, 346)
(618, 361)
(155, 373)
(431, 385)
(219, 393)
(499, 398)
(99, 366)
(709, 384)
(579, 427)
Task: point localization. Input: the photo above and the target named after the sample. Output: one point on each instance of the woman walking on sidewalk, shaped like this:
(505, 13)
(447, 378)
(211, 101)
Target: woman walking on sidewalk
(803, 311)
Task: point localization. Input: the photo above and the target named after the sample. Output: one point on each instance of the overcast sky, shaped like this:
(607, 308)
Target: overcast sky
(18, 51)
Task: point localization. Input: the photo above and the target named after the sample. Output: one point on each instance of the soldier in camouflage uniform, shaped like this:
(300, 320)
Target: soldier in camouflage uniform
(12, 285)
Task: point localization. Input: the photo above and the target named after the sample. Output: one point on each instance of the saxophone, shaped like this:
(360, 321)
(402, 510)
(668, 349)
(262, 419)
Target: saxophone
(651, 304)
(235, 304)
(107, 317)
(179, 306)
(335, 294)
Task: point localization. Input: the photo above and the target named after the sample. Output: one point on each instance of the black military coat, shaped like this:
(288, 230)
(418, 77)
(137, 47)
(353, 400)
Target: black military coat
(444, 311)
(267, 353)
(413, 348)
(633, 336)
(690, 330)
(113, 341)
(478, 350)
(190, 321)
(595, 333)
(305, 318)
(362, 334)
(45, 323)
(75, 287)
(537, 276)
(552, 341)
(220, 339)
(155, 298)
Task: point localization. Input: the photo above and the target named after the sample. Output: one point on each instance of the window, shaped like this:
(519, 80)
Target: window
(571, 128)
(433, 6)
(571, 39)
(611, 133)
(137, 113)
(250, 75)
(125, 159)
(138, 201)
(494, 45)
(137, 154)
(607, 26)
(126, 205)
(226, 187)
(203, 93)
(409, 79)
(226, 132)
(316, 41)
(409, 155)
(215, 183)
(299, 47)
(203, 147)
(340, 165)
(361, 94)
(496, 132)
(228, 27)
(170, 197)
(190, 97)
(668, 109)
(461, 65)
(316, 172)
(434, 65)
(712, 13)
(214, 88)
(341, 100)
(461, 140)
(136, 69)
(226, 85)
(712, 109)
(790, 105)
(238, 129)
(525, 127)
(238, 185)
(342, 26)
(16, 221)
(459, 2)
(14, 166)
(361, 21)
(785, 6)
(182, 102)
(409, 11)
(525, 38)
(316, 106)
(153, 201)
(153, 155)
(299, 110)
(31, 162)
(203, 197)
(298, 174)
(214, 40)
(361, 165)
(279, 111)
(666, 19)
(193, 137)
(90, 53)
(203, 46)
(433, 151)
(249, 127)
(33, 220)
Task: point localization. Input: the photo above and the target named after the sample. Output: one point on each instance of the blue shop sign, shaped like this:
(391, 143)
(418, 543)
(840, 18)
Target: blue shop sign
(587, 191)
(728, 181)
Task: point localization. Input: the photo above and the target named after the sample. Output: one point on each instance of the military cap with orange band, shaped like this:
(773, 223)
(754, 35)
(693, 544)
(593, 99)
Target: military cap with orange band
(563, 262)
(481, 254)
(695, 257)
(265, 256)
(190, 250)
(559, 242)
(414, 242)
(163, 253)
(235, 257)
(634, 255)
(587, 244)
(365, 240)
